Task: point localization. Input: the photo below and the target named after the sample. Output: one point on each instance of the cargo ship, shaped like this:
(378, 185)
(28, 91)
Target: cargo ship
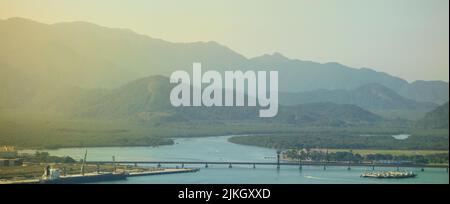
(54, 177)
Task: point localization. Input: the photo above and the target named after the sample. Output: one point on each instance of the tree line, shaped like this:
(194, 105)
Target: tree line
(310, 155)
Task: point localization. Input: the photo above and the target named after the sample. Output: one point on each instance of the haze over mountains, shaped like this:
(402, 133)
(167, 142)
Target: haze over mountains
(147, 100)
(98, 71)
(369, 96)
(438, 118)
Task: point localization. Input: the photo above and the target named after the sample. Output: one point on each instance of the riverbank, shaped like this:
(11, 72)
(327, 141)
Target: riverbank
(354, 158)
(346, 140)
(45, 131)
(37, 131)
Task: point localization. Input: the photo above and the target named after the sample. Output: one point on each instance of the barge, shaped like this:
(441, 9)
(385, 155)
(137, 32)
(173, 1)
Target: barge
(389, 174)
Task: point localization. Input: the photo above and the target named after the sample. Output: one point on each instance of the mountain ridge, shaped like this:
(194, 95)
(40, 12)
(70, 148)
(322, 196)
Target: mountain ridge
(147, 100)
(369, 96)
(92, 56)
(436, 119)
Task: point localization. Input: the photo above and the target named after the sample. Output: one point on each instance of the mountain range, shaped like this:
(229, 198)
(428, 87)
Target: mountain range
(369, 96)
(147, 100)
(91, 56)
(93, 71)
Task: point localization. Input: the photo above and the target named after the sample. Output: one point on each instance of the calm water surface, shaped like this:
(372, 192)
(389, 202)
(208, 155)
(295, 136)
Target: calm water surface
(219, 149)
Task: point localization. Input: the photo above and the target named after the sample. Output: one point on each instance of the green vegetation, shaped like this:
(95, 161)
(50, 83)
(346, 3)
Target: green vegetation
(420, 140)
(358, 158)
(396, 152)
(52, 132)
(412, 115)
(48, 131)
(44, 157)
(437, 118)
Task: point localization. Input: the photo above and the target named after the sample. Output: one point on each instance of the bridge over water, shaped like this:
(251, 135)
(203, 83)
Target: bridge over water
(277, 164)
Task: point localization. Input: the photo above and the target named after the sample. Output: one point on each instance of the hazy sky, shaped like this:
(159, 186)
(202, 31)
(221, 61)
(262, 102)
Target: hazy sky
(406, 38)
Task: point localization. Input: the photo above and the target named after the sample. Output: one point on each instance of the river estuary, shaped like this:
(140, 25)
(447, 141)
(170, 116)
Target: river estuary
(219, 149)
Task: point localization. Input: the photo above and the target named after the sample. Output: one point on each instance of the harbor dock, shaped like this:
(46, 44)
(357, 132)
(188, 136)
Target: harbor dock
(99, 177)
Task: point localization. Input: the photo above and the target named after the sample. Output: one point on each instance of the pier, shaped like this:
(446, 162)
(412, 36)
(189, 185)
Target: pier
(100, 176)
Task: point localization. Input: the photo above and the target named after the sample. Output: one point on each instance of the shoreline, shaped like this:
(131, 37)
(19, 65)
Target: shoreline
(128, 146)
(233, 135)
